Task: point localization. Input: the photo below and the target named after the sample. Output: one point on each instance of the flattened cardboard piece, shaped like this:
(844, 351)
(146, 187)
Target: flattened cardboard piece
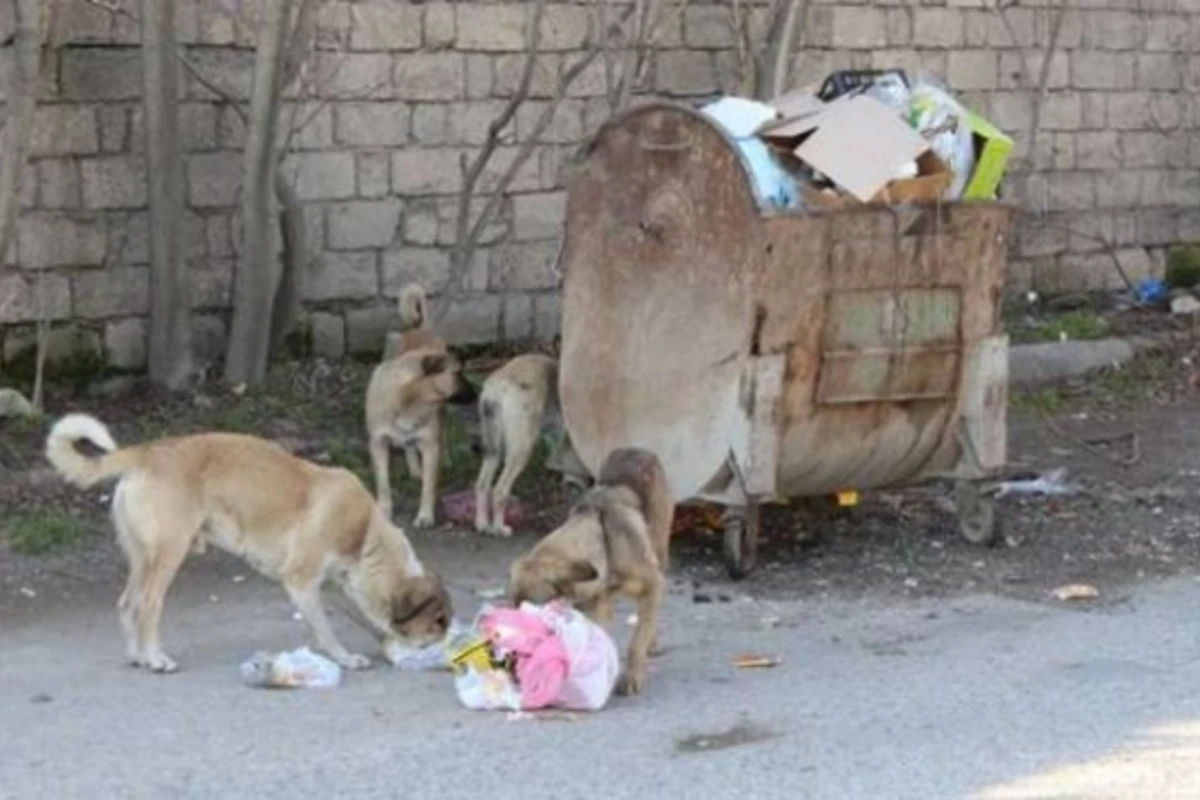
(791, 107)
(859, 144)
(928, 187)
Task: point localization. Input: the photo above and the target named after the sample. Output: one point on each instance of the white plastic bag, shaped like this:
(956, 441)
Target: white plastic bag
(942, 120)
(487, 690)
(595, 663)
(296, 669)
(741, 119)
(431, 657)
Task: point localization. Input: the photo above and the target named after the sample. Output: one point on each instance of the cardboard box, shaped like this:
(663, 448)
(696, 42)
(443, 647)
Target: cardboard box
(931, 183)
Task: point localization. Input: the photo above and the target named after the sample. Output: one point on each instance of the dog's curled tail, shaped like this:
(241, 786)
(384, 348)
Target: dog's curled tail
(63, 450)
(412, 307)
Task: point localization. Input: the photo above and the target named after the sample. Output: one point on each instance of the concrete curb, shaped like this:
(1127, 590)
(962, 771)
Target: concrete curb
(1046, 362)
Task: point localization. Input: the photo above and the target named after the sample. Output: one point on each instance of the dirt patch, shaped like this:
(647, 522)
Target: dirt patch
(1130, 522)
(741, 734)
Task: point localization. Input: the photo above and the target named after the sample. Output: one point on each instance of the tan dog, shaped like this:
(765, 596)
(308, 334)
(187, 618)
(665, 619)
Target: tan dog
(405, 407)
(513, 405)
(414, 325)
(293, 521)
(615, 542)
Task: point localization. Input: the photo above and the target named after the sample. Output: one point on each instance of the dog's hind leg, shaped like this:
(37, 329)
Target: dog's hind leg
(412, 461)
(431, 459)
(516, 457)
(380, 457)
(644, 635)
(483, 491)
(164, 555)
(127, 604)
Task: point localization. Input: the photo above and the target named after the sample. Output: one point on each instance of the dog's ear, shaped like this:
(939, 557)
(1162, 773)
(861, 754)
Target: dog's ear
(435, 364)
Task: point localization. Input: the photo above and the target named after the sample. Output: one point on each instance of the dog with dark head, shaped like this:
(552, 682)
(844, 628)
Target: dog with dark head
(295, 522)
(615, 541)
(405, 407)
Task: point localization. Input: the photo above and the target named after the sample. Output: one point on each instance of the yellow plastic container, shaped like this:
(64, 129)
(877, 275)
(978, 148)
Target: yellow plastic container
(478, 654)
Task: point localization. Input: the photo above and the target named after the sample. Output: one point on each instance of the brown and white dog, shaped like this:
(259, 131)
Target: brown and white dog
(406, 400)
(513, 407)
(293, 521)
(614, 542)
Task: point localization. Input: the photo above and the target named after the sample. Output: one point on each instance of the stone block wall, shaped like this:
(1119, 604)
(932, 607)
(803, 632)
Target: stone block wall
(401, 91)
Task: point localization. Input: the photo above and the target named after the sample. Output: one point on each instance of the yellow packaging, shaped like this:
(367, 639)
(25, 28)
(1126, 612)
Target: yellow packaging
(992, 149)
(847, 498)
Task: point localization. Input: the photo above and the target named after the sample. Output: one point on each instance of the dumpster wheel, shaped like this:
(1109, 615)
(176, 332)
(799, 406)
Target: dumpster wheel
(741, 529)
(976, 513)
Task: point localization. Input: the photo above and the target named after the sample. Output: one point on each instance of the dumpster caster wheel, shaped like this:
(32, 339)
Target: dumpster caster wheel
(741, 542)
(976, 514)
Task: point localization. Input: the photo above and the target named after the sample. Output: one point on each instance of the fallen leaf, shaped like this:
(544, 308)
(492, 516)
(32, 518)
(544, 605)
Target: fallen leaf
(752, 661)
(1076, 591)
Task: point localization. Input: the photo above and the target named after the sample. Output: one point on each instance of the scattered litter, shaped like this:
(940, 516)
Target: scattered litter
(25, 590)
(752, 661)
(238, 390)
(541, 716)
(291, 670)
(535, 657)
(631, 620)
(700, 597)
(1076, 591)
(239, 578)
(1185, 305)
(297, 616)
(494, 593)
(212, 598)
(1151, 291)
(14, 404)
(769, 622)
(1051, 483)
(431, 657)
(459, 508)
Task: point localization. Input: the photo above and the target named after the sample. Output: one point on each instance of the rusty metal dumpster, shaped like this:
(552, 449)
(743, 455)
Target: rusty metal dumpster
(767, 355)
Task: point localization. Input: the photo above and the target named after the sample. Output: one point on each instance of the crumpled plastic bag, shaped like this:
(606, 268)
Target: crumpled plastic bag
(431, 657)
(937, 116)
(741, 119)
(559, 659)
(295, 669)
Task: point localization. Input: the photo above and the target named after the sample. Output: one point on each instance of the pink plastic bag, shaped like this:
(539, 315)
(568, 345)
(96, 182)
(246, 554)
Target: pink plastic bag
(563, 659)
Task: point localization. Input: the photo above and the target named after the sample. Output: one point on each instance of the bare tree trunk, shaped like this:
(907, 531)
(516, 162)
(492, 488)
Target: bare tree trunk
(293, 256)
(250, 337)
(293, 259)
(170, 357)
(32, 17)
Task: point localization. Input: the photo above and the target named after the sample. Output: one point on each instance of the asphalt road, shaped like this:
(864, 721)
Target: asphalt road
(974, 697)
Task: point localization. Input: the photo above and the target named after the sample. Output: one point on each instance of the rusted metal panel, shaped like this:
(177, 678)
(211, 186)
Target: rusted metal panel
(985, 408)
(859, 330)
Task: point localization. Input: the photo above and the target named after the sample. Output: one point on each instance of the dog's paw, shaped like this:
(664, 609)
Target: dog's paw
(632, 682)
(500, 531)
(354, 661)
(159, 662)
(423, 521)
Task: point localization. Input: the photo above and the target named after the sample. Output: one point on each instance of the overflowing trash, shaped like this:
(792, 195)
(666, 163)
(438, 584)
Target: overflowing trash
(1052, 483)
(865, 136)
(535, 657)
(295, 669)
